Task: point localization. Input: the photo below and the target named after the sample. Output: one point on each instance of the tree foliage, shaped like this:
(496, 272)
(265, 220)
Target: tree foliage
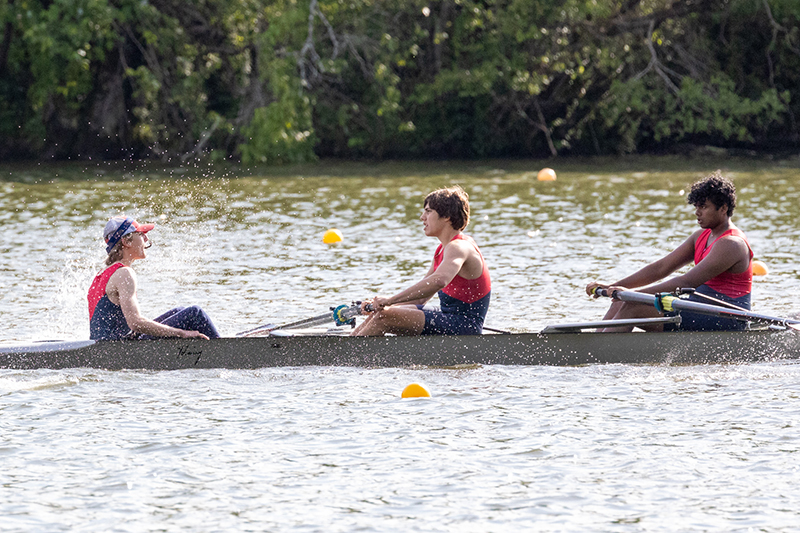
(272, 81)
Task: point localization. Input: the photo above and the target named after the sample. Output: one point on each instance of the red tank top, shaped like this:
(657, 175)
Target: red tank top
(465, 290)
(733, 285)
(98, 288)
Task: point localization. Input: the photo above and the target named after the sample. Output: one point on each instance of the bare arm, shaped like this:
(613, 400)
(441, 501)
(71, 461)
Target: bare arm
(726, 253)
(658, 270)
(455, 255)
(123, 282)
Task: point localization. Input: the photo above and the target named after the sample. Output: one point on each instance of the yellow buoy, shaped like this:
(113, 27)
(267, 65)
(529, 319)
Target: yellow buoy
(546, 174)
(415, 390)
(331, 236)
(759, 268)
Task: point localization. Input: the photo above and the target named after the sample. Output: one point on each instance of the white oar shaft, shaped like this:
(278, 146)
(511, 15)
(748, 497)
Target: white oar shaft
(342, 313)
(697, 307)
(266, 328)
(313, 321)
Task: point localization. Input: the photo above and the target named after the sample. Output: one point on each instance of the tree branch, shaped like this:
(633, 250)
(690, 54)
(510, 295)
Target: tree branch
(308, 49)
(776, 28)
(655, 64)
(541, 125)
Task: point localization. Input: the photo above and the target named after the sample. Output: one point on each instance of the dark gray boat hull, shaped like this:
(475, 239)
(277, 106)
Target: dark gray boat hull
(515, 349)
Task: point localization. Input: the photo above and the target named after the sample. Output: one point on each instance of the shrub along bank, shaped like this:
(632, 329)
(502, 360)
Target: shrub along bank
(292, 80)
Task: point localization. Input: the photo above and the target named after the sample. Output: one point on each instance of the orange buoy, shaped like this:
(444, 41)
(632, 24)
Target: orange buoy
(415, 390)
(759, 268)
(546, 174)
(331, 236)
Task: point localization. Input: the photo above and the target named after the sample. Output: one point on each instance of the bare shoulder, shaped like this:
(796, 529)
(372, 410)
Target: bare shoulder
(462, 247)
(123, 276)
(124, 271)
(732, 244)
(735, 240)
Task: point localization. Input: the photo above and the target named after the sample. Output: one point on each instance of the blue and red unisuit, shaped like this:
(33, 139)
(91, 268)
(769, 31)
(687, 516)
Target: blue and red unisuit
(464, 302)
(107, 321)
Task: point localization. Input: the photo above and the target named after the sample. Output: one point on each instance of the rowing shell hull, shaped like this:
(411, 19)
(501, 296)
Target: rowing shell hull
(446, 351)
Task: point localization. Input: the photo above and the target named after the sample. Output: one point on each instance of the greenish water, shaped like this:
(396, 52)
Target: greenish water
(246, 243)
(622, 448)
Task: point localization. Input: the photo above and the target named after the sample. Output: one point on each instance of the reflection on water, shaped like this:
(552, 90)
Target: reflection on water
(248, 248)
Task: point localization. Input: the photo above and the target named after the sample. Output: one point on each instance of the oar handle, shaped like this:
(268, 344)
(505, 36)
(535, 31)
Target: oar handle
(632, 296)
(661, 301)
(599, 291)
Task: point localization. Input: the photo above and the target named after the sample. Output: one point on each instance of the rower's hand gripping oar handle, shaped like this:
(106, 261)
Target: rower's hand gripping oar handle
(662, 301)
(599, 291)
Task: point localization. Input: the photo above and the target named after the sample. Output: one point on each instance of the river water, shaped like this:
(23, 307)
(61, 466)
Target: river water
(601, 448)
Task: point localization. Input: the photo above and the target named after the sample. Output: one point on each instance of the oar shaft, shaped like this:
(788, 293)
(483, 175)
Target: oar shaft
(266, 328)
(628, 296)
(697, 307)
(312, 321)
(341, 315)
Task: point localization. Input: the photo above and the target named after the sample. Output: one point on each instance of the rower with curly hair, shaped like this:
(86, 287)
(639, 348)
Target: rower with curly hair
(723, 264)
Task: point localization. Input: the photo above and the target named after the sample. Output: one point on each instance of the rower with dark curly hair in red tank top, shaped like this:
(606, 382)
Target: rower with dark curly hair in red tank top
(723, 264)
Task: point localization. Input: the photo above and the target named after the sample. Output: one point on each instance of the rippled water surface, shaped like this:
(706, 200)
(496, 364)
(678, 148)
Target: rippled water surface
(600, 448)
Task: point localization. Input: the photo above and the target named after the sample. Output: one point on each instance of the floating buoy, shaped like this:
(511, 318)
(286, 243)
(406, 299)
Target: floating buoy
(415, 390)
(331, 236)
(759, 268)
(546, 174)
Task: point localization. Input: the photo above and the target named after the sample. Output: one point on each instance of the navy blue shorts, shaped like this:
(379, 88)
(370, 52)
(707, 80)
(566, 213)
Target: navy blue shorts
(438, 322)
(699, 322)
(455, 317)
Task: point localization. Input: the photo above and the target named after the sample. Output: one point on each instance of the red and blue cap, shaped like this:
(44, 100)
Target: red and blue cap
(118, 227)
